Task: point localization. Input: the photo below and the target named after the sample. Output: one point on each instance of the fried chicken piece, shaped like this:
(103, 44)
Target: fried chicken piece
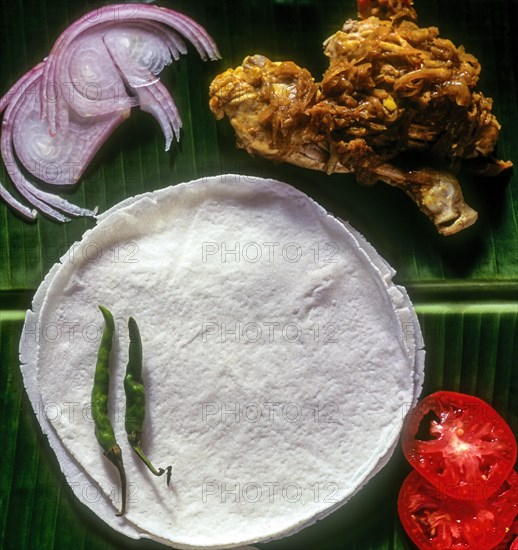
(391, 87)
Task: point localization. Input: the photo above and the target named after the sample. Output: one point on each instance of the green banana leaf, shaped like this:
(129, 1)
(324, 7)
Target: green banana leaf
(465, 287)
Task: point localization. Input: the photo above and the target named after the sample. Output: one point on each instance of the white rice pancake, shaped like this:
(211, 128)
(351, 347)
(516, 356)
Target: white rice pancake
(279, 360)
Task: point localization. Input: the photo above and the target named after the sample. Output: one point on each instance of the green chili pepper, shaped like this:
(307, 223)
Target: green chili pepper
(136, 398)
(103, 427)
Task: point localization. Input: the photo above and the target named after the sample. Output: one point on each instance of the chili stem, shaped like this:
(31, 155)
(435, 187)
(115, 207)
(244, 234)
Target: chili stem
(114, 455)
(138, 449)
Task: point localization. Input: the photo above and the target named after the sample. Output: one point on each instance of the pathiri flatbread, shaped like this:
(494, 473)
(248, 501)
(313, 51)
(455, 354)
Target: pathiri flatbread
(279, 360)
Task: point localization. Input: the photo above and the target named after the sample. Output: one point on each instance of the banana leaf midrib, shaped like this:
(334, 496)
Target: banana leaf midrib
(422, 292)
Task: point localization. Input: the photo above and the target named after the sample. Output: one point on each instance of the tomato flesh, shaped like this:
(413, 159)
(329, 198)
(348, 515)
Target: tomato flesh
(460, 444)
(436, 522)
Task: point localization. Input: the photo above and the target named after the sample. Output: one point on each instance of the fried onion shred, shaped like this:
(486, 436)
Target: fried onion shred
(391, 87)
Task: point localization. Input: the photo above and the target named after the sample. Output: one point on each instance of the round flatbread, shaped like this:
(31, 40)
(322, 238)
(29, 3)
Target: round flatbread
(279, 360)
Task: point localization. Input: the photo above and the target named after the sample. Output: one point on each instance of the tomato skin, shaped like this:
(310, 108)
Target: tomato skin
(510, 541)
(436, 522)
(467, 451)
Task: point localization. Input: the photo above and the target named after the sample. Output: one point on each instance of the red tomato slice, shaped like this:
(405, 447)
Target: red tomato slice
(436, 522)
(510, 541)
(460, 444)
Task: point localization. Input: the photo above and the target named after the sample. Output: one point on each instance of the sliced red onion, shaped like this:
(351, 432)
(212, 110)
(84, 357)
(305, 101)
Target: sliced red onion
(156, 100)
(16, 205)
(16, 89)
(99, 68)
(22, 184)
(118, 15)
(91, 83)
(139, 54)
(47, 203)
(20, 86)
(60, 159)
(176, 45)
(102, 62)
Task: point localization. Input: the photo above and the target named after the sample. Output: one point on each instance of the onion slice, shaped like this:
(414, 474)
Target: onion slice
(15, 90)
(48, 203)
(139, 53)
(157, 101)
(116, 15)
(94, 86)
(176, 45)
(60, 159)
(98, 69)
(26, 212)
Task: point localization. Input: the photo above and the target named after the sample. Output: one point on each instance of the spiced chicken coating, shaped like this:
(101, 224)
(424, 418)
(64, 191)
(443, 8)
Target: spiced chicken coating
(391, 87)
